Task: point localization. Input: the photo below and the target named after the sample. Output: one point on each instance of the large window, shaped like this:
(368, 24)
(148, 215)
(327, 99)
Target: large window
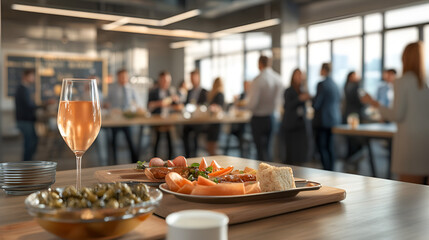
(318, 53)
(366, 44)
(335, 29)
(233, 58)
(395, 42)
(373, 22)
(373, 68)
(302, 62)
(407, 16)
(347, 57)
(426, 37)
(230, 69)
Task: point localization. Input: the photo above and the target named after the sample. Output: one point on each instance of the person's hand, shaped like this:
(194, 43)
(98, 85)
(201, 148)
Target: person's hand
(166, 102)
(367, 99)
(175, 98)
(304, 97)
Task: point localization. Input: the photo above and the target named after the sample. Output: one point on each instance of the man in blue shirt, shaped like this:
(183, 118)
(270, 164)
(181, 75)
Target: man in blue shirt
(327, 114)
(385, 91)
(122, 96)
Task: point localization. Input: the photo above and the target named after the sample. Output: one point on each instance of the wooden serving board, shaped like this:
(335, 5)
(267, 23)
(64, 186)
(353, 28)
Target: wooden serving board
(248, 211)
(153, 228)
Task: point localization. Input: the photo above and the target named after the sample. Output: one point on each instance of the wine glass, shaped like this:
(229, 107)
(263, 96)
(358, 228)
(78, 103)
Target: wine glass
(79, 117)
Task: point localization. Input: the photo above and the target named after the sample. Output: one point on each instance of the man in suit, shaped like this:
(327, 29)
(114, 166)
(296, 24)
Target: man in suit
(122, 96)
(160, 100)
(198, 96)
(327, 114)
(25, 114)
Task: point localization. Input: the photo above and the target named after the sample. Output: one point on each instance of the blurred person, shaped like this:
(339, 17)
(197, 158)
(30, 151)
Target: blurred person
(326, 105)
(411, 114)
(295, 124)
(385, 90)
(216, 101)
(197, 96)
(238, 129)
(161, 99)
(121, 96)
(182, 91)
(353, 105)
(25, 114)
(238, 100)
(351, 96)
(263, 100)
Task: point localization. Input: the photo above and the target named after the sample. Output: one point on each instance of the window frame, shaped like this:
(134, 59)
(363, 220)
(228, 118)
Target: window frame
(383, 31)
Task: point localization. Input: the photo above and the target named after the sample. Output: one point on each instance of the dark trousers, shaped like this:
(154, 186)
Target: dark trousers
(190, 140)
(325, 145)
(30, 139)
(158, 134)
(261, 131)
(296, 146)
(127, 133)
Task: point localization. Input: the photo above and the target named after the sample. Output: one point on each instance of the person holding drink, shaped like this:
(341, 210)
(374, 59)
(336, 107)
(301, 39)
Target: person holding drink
(160, 101)
(411, 114)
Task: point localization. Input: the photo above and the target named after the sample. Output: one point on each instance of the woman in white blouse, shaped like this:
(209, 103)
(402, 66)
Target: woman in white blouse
(411, 113)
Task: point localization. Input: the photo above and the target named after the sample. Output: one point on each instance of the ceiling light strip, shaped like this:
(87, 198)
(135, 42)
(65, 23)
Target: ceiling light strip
(116, 24)
(182, 44)
(246, 28)
(163, 32)
(106, 17)
(180, 17)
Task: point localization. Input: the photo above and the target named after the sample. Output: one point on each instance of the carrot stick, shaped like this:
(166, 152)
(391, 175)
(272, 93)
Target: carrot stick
(221, 172)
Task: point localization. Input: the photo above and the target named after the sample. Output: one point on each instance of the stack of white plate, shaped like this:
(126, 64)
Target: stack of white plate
(21, 178)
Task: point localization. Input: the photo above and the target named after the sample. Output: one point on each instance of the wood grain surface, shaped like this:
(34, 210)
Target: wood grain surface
(174, 119)
(374, 130)
(252, 210)
(123, 175)
(374, 208)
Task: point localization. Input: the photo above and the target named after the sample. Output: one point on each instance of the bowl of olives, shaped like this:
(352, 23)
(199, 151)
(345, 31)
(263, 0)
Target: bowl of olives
(103, 211)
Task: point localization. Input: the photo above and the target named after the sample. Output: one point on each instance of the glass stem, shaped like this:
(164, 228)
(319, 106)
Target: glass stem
(78, 171)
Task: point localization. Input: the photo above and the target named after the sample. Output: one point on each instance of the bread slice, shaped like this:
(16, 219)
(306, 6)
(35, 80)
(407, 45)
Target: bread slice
(275, 178)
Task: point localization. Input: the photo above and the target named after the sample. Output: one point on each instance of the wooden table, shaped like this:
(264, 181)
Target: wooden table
(370, 131)
(173, 119)
(373, 130)
(374, 208)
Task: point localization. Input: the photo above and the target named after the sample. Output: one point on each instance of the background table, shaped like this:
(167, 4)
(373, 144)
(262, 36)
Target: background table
(374, 208)
(175, 119)
(370, 131)
(172, 120)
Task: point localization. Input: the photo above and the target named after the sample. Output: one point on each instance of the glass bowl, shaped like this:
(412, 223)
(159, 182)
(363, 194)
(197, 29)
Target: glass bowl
(87, 223)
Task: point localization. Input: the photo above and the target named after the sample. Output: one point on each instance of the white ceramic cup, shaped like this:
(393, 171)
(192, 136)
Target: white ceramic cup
(197, 225)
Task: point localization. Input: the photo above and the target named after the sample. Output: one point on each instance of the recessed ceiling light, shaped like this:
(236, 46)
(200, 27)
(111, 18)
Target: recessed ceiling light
(106, 17)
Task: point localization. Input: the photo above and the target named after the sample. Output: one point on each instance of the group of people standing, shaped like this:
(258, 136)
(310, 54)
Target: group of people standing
(400, 100)
(162, 99)
(296, 126)
(403, 102)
